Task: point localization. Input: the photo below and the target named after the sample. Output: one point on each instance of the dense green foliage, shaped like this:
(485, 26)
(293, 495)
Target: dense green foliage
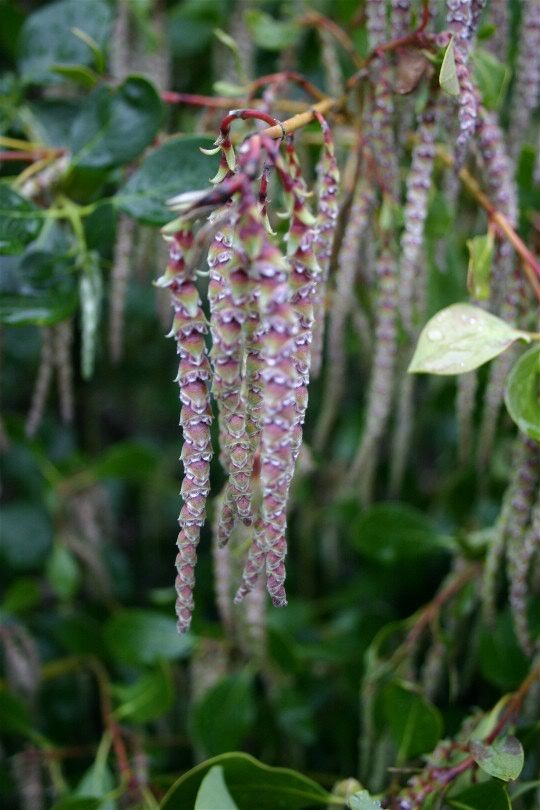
(405, 648)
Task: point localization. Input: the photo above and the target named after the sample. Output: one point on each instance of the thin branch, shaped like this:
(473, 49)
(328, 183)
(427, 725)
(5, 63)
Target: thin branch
(531, 266)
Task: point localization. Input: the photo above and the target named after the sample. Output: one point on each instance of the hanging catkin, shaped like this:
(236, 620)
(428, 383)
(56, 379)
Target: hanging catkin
(520, 542)
(327, 216)
(43, 382)
(63, 338)
(189, 329)
(381, 384)
(527, 75)
(348, 260)
(125, 232)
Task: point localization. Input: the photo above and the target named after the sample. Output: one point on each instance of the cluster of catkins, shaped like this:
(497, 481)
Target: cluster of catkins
(262, 296)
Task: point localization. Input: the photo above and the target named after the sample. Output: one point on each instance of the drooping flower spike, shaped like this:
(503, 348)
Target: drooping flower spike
(189, 330)
(327, 217)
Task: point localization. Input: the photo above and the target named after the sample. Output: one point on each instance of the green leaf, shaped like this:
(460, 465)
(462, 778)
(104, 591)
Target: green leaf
(269, 33)
(37, 288)
(90, 292)
(63, 571)
(224, 715)
(115, 124)
(522, 395)
(363, 801)
(502, 663)
(79, 74)
(480, 259)
(173, 168)
(97, 782)
(415, 725)
(485, 796)
(460, 338)
(20, 221)
(503, 759)
(448, 74)
(21, 595)
(491, 76)
(148, 697)
(213, 793)
(126, 460)
(78, 803)
(47, 38)
(26, 535)
(251, 784)
(144, 637)
(390, 532)
(14, 716)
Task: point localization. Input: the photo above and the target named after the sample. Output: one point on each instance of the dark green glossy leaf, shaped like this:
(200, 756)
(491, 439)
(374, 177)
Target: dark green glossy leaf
(503, 759)
(20, 221)
(146, 698)
(490, 795)
(37, 288)
(47, 38)
(14, 716)
(78, 803)
(126, 460)
(522, 395)
(115, 124)
(415, 725)
(213, 792)
(391, 532)
(251, 784)
(144, 637)
(173, 168)
(502, 662)
(224, 715)
(26, 535)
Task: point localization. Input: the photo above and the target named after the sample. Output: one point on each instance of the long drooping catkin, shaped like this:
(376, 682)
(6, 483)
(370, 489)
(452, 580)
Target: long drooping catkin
(125, 232)
(381, 384)
(467, 386)
(520, 542)
(509, 531)
(348, 260)
(189, 329)
(415, 212)
(499, 16)
(227, 354)
(43, 382)
(63, 338)
(327, 216)
(527, 75)
(401, 18)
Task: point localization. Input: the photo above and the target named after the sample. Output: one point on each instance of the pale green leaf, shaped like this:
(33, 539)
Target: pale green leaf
(460, 338)
(213, 793)
(480, 259)
(363, 801)
(503, 759)
(448, 74)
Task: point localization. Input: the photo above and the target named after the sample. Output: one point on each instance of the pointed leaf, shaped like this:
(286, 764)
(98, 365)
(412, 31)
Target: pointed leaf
(251, 784)
(224, 715)
(20, 221)
(490, 795)
(460, 338)
(47, 37)
(522, 394)
(479, 271)
(503, 759)
(448, 74)
(147, 698)
(213, 792)
(115, 124)
(414, 724)
(175, 167)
